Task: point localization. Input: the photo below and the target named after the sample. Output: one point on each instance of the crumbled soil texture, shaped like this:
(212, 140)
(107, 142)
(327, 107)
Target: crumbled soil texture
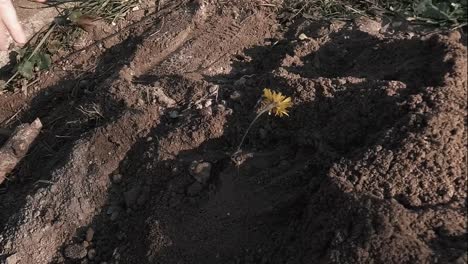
(134, 163)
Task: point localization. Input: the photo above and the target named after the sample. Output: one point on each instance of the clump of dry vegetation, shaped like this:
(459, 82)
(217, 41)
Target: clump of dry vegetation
(75, 16)
(442, 13)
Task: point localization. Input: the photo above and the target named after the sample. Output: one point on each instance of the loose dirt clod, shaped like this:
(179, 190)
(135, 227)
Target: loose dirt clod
(75, 251)
(201, 171)
(91, 254)
(89, 234)
(117, 178)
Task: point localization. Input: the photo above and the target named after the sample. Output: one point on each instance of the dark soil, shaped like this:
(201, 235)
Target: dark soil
(369, 167)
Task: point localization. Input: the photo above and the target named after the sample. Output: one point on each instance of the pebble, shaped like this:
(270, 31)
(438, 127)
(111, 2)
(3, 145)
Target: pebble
(194, 189)
(114, 215)
(303, 36)
(109, 210)
(85, 244)
(75, 251)
(117, 178)
(236, 95)
(89, 234)
(173, 114)
(201, 171)
(91, 254)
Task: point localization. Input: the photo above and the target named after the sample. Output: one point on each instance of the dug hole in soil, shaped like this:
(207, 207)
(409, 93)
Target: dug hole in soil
(134, 161)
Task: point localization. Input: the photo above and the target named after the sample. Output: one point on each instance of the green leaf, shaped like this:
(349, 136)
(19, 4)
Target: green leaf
(427, 9)
(43, 61)
(26, 69)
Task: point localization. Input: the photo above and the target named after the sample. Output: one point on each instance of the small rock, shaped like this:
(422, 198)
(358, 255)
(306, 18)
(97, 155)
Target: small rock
(89, 234)
(117, 178)
(194, 189)
(85, 244)
(75, 251)
(236, 95)
(114, 215)
(91, 254)
(163, 98)
(367, 25)
(303, 36)
(173, 114)
(201, 171)
(109, 210)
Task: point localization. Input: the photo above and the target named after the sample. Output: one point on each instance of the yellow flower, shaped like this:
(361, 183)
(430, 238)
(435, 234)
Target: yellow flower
(276, 102)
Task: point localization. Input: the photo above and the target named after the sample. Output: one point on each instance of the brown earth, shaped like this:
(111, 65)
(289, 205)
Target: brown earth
(369, 167)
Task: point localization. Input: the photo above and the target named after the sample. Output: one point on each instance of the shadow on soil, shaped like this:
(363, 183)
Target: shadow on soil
(279, 205)
(69, 109)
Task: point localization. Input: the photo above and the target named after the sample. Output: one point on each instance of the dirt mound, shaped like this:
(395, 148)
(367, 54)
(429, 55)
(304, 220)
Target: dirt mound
(134, 165)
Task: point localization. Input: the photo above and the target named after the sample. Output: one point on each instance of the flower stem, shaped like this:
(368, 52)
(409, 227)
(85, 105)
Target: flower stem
(264, 110)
